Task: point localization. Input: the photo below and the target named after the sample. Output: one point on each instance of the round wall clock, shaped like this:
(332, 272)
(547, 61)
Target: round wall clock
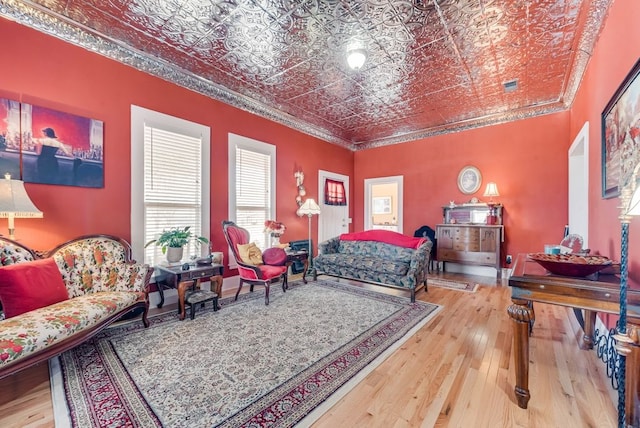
(469, 179)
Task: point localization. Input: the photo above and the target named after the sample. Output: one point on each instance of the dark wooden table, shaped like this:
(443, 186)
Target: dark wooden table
(530, 283)
(182, 280)
(301, 256)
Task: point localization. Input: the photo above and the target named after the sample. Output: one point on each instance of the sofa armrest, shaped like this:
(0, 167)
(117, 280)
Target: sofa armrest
(330, 246)
(420, 261)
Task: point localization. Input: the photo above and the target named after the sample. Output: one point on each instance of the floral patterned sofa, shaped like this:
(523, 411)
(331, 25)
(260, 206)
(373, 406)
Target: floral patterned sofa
(100, 285)
(378, 256)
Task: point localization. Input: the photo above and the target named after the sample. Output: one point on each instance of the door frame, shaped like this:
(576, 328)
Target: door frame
(322, 175)
(368, 183)
(578, 185)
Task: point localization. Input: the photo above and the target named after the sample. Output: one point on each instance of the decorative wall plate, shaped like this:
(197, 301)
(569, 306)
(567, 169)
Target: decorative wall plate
(469, 179)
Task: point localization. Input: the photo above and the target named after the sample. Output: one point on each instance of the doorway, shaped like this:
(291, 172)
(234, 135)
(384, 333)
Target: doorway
(579, 185)
(333, 219)
(383, 202)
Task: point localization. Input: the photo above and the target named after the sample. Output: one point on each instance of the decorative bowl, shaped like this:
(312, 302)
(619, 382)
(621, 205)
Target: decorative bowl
(571, 264)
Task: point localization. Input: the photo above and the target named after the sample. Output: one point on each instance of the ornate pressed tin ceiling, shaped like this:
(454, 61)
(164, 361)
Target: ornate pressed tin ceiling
(432, 67)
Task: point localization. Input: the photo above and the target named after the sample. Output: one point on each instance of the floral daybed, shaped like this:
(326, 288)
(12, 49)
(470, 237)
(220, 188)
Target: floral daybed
(78, 288)
(378, 256)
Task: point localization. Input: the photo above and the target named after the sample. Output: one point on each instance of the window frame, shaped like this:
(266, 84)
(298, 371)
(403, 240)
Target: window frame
(238, 141)
(140, 117)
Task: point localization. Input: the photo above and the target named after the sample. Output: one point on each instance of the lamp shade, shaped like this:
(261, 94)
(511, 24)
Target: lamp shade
(15, 202)
(310, 207)
(491, 190)
(634, 205)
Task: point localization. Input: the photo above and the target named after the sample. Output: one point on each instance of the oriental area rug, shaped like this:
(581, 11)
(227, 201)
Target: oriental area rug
(245, 365)
(453, 284)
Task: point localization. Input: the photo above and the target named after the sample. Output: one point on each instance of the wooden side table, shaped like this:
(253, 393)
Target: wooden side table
(300, 256)
(182, 280)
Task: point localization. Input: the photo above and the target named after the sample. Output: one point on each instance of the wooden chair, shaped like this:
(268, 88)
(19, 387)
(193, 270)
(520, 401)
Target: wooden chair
(262, 274)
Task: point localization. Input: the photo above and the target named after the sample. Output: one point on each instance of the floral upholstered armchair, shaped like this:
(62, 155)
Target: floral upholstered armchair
(57, 300)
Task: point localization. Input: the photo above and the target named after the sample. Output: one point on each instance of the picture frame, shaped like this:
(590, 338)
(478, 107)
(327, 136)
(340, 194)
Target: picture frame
(620, 136)
(469, 179)
(382, 205)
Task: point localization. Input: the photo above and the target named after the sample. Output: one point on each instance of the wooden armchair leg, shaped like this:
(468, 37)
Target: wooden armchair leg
(239, 288)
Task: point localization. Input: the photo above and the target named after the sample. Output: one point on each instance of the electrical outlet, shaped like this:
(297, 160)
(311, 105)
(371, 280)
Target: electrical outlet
(509, 259)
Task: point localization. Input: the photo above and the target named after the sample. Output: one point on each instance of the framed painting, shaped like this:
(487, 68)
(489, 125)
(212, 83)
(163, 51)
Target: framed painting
(10, 138)
(61, 148)
(469, 179)
(382, 205)
(621, 134)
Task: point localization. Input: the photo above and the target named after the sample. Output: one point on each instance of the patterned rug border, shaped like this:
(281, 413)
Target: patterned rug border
(393, 331)
(470, 287)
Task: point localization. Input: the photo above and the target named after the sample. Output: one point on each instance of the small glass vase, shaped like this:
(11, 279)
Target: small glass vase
(275, 240)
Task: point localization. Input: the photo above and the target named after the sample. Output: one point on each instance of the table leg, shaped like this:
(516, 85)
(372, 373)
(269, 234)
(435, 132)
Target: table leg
(183, 286)
(522, 316)
(159, 285)
(588, 330)
(304, 270)
(216, 287)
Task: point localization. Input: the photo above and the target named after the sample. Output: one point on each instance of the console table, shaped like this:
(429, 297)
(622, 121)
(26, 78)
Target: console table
(176, 277)
(530, 283)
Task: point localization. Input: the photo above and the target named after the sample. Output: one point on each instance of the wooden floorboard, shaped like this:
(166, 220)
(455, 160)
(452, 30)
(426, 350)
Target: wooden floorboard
(457, 371)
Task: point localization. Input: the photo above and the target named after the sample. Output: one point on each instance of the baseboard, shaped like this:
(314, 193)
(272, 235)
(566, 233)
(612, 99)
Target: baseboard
(471, 270)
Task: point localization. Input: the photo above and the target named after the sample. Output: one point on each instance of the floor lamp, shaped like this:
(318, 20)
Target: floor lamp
(625, 340)
(309, 208)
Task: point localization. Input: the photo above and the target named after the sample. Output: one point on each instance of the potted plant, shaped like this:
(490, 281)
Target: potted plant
(172, 242)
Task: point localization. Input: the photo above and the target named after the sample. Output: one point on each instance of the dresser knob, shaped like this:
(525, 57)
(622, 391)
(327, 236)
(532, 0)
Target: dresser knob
(607, 295)
(542, 287)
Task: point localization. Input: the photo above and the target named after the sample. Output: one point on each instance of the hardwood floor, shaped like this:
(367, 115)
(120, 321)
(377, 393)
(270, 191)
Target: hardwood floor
(457, 371)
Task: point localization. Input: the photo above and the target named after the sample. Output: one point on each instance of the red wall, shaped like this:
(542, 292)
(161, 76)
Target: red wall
(527, 159)
(616, 52)
(45, 71)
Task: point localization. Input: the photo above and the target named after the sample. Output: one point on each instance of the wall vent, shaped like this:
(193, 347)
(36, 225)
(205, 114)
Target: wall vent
(511, 85)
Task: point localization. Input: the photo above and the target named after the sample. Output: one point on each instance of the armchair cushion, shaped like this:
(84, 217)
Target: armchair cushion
(250, 254)
(30, 285)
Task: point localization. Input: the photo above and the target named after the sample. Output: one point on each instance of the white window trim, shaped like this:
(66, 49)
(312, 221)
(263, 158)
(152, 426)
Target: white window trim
(139, 117)
(256, 146)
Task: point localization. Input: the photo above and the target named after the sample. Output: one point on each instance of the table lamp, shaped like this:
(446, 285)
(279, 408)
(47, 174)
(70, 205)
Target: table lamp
(15, 203)
(491, 191)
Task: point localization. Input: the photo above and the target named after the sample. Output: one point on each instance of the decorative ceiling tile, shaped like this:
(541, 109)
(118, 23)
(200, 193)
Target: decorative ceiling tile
(432, 66)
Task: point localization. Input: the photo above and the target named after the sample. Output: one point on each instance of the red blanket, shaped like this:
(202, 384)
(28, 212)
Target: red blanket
(386, 236)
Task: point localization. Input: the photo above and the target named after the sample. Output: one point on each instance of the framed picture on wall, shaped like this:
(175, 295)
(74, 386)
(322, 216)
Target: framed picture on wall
(61, 148)
(382, 205)
(621, 134)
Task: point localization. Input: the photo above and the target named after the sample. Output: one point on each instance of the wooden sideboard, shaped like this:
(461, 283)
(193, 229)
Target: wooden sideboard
(473, 244)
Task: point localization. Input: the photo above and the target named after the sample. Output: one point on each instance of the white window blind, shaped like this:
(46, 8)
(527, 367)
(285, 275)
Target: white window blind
(172, 187)
(253, 190)
(251, 185)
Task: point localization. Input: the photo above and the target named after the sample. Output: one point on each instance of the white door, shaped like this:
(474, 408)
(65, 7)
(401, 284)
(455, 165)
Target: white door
(333, 219)
(579, 185)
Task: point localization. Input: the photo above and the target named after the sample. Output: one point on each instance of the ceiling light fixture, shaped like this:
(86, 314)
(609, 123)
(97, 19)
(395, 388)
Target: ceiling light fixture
(356, 58)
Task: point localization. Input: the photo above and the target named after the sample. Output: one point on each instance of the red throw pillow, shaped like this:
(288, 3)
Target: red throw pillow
(274, 256)
(30, 285)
